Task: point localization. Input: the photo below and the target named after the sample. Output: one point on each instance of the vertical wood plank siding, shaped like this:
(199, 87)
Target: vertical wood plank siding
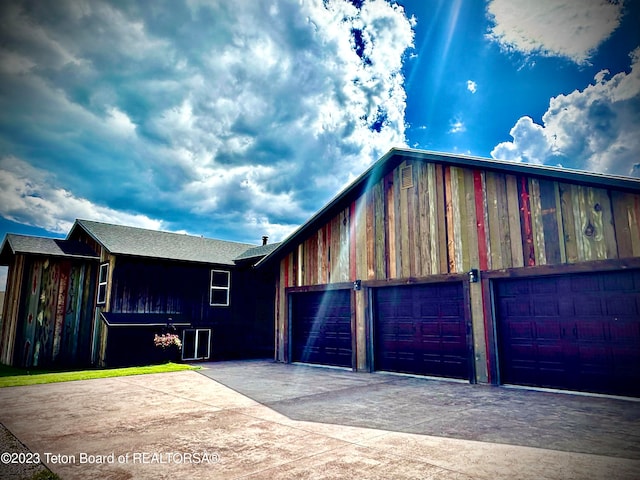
(11, 309)
(451, 219)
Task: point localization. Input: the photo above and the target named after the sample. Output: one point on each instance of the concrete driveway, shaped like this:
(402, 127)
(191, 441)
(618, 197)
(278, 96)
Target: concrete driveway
(258, 419)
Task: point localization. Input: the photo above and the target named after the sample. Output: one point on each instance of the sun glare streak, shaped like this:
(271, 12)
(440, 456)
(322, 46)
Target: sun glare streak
(358, 220)
(438, 54)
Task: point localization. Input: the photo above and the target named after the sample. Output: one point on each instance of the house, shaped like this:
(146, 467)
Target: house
(467, 268)
(137, 283)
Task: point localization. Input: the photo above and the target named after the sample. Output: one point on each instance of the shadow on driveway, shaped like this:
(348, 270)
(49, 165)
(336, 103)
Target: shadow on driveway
(558, 421)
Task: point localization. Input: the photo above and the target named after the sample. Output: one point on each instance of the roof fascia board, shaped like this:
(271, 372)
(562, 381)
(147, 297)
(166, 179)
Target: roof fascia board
(172, 260)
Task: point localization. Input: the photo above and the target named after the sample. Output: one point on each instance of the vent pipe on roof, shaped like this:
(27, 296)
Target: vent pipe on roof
(265, 239)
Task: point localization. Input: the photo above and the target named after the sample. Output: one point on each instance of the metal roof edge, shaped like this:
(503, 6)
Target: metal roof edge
(549, 171)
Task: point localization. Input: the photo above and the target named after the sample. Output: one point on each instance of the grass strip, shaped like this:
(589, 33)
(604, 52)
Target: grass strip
(41, 377)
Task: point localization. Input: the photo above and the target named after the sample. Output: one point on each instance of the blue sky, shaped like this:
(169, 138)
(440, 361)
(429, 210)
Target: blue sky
(238, 119)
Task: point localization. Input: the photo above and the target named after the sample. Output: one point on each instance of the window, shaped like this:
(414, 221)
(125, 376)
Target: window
(196, 344)
(102, 283)
(219, 295)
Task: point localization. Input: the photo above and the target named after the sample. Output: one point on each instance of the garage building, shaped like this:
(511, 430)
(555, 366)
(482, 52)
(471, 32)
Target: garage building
(468, 268)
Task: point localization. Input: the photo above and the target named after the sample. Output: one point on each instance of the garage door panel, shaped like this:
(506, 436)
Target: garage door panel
(321, 327)
(546, 306)
(584, 283)
(624, 332)
(622, 282)
(590, 342)
(451, 310)
(430, 329)
(547, 329)
(544, 287)
(452, 331)
(549, 353)
(590, 331)
(594, 358)
(621, 305)
(627, 361)
(519, 330)
(448, 291)
(429, 310)
(515, 308)
(587, 306)
(427, 336)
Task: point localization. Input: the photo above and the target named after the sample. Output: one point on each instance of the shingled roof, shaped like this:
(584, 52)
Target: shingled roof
(14, 243)
(258, 252)
(140, 242)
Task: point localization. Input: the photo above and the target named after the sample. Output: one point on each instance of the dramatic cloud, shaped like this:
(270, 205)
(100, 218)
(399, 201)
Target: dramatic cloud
(564, 28)
(230, 119)
(594, 129)
(29, 196)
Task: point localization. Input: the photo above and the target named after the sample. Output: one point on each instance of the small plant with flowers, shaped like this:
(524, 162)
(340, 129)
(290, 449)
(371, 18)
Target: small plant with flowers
(167, 340)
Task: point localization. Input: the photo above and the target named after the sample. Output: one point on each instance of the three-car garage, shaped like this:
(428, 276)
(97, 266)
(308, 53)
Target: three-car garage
(571, 331)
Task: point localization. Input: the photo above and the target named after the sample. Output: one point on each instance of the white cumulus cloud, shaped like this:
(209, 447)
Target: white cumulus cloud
(595, 128)
(566, 28)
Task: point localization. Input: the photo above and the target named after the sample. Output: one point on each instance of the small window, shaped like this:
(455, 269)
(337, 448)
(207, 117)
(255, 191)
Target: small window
(196, 344)
(219, 296)
(102, 283)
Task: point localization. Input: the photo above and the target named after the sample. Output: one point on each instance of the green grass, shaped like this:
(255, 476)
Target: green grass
(15, 377)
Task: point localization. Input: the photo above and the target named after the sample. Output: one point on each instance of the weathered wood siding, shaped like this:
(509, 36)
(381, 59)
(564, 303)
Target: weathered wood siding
(11, 307)
(448, 220)
(50, 313)
(453, 219)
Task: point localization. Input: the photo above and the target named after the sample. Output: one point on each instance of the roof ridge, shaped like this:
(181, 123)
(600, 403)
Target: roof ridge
(164, 232)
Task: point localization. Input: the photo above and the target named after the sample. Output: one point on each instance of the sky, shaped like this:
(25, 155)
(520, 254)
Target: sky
(234, 120)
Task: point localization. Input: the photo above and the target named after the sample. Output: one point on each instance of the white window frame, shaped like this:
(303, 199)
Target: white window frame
(213, 287)
(196, 340)
(102, 284)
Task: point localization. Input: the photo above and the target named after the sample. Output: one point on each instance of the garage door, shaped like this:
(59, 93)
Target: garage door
(576, 332)
(421, 329)
(321, 327)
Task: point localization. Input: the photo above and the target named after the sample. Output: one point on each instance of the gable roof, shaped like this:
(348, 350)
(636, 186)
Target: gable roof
(258, 252)
(396, 156)
(54, 247)
(140, 242)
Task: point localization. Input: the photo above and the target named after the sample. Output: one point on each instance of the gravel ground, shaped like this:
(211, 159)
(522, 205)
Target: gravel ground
(19, 471)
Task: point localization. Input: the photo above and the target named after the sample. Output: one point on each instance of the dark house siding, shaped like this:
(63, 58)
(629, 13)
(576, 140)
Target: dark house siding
(241, 330)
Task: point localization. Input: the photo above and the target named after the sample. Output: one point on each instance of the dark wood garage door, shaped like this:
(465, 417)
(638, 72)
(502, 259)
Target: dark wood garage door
(321, 327)
(577, 332)
(421, 329)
